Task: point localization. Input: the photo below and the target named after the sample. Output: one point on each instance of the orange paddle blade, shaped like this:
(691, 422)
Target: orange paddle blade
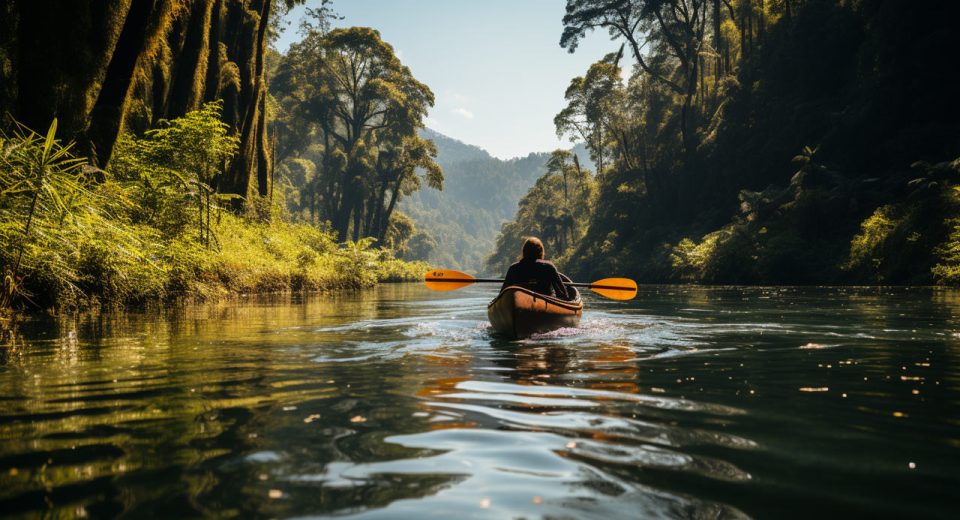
(615, 288)
(447, 279)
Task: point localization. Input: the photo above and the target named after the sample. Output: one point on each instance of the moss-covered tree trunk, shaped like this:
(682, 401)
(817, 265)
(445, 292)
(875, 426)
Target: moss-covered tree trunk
(111, 66)
(244, 177)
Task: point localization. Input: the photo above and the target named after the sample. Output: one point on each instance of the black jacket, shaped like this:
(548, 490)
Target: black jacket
(537, 275)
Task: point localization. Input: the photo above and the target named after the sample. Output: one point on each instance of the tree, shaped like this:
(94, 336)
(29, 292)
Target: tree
(397, 169)
(369, 90)
(420, 246)
(181, 159)
(589, 100)
(346, 91)
(136, 63)
(674, 29)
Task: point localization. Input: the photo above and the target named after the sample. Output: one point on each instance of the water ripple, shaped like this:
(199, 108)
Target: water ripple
(684, 403)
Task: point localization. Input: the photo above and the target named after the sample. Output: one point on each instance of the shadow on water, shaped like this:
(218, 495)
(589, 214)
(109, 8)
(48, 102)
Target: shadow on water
(686, 403)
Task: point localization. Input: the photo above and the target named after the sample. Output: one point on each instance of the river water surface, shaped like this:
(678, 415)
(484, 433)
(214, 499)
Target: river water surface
(399, 403)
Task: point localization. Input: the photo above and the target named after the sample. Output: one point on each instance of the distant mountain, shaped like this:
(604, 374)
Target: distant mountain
(480, 193)
(452, 151)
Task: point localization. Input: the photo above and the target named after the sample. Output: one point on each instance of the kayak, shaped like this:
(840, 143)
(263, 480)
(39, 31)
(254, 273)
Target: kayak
(518, 312)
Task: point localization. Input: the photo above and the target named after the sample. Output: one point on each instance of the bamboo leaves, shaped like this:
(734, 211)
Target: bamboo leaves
(48, 214)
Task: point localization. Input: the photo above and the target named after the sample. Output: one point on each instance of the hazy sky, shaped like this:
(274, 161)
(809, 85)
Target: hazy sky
(495, 66)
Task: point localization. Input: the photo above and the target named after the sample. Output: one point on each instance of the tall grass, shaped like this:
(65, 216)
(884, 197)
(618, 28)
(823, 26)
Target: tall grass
(52, 212)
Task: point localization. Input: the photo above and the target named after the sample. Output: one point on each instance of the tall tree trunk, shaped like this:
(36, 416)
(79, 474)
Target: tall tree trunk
(108, 66)
(189, 74)
(717, 43)
(56, 55)
(357, 218)
(379, 226)
(244, 167)
(345, 206)
(702, 89)
(762, 21)
(215, 61)
(368, 217)
(746, 31)
(599, 147)
(264, 158)
(106, 118)
(685, 109)
(389, 212)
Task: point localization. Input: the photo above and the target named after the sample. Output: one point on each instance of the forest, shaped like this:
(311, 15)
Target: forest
(175, 151)
(139, 144)
(758, 142)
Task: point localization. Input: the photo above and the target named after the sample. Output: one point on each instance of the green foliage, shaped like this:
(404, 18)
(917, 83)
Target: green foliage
(948, 269)
(282, 256)
(76, 235)
(357, 257)
(867, 248)
(394, 270)
(349, 106)
(55, 221)
(691, 258)
(399, 232)
(420, 246)
(592, 107)
(701, 179)
(175, 168)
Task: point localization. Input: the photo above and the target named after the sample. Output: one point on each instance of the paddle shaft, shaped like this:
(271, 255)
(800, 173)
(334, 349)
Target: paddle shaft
(595, 286)
(500, 280)
(463, 280)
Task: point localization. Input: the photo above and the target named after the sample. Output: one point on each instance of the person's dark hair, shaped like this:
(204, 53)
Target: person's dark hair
(532, 249)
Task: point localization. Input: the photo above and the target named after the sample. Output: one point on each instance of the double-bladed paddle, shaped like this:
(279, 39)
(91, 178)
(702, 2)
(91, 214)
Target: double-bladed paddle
(449, 280)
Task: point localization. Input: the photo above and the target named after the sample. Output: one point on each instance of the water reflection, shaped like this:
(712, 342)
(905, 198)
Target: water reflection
(687, 403)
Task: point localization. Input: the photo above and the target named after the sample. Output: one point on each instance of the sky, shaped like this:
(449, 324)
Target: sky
(495, 66)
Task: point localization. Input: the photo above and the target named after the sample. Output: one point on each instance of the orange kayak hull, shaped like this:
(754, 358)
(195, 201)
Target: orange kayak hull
(518, 313)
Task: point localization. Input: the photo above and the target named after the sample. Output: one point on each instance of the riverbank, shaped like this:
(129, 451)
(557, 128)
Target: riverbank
(245, 257)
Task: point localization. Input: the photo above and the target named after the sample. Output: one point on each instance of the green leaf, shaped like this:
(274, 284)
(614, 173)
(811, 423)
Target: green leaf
(51, 138)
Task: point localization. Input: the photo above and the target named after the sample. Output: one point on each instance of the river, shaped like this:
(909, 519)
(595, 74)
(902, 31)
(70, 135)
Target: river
(686, 402)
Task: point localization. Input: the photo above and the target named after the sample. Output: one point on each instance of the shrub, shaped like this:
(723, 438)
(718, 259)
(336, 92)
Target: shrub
(867, 247)
(57, 223)
(174, 167)
(947, 269)
(82, 235)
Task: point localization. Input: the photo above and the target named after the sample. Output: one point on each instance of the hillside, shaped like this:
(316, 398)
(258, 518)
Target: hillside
(480, 193)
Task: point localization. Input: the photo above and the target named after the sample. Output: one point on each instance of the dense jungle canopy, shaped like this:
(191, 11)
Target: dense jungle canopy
(762, 141)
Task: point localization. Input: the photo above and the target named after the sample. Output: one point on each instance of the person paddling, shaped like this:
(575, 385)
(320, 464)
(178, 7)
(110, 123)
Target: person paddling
(535, 273)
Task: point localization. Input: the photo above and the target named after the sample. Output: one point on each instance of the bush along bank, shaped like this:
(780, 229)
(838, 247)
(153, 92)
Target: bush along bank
(153, 227)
